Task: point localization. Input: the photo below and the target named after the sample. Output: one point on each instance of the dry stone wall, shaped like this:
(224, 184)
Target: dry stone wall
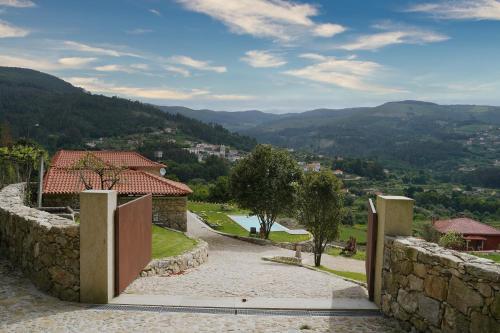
(180, 263)
(432, 289)
(44, 246)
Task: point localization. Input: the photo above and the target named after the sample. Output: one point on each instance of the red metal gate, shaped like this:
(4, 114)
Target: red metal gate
(133, 239)
(371, 247)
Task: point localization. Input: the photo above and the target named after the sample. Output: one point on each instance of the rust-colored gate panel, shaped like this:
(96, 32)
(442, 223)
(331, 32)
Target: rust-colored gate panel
(371, 248)
(133, 239)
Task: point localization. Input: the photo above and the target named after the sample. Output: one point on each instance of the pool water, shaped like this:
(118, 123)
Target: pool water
(248, 222)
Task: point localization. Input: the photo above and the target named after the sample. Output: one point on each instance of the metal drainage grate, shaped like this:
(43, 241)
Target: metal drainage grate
(238, 311)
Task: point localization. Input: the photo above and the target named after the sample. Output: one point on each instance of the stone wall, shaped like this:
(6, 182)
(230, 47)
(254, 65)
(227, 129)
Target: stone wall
(432, 289)
(170, 212)
(177, 264)
(45, 247)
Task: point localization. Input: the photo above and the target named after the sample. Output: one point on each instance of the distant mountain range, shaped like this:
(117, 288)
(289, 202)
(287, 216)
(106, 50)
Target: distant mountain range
(58, 115)
(406, 133)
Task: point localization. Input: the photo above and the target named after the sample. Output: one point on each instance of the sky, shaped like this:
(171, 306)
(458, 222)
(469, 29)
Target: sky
(271, 55)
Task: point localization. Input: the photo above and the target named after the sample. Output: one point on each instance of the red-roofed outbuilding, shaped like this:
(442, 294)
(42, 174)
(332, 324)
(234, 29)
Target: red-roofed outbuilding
(479, 236)
(63, 183)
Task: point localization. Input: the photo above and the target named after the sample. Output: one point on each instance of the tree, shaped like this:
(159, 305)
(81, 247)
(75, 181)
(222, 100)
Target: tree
(108, 175)
(320, 208)
(220, 191)
(265, 183)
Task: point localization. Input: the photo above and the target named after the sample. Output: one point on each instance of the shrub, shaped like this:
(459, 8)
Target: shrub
(452, 240)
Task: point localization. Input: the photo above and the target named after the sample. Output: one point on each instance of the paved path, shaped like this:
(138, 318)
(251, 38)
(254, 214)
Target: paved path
(236, 269)
(25, 309)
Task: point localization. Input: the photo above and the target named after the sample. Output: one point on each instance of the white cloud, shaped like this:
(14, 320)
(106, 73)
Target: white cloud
(154, 11)
(71, 45)
(345, 73)
(178, 70)
(38, 64)
(43, 64)
(142, 67)
(133, 68)
(17, 3)
(75, 62)
(328, 30)
(230, 97)
(197, 64)
(138, 31)
(394, 34)
(461, 9)
(277, 19)
(96, 85)
(8, 30)
(262, 59)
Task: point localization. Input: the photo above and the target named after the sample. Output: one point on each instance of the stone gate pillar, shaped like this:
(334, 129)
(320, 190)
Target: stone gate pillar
(395, 218)
(97, 257)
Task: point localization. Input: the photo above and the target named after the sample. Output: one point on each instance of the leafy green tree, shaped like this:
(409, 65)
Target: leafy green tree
(220, 191)
(265, 182)
(320, 208)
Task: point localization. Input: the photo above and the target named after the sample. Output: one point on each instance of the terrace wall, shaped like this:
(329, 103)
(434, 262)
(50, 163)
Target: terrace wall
(432, 289)
(44, 246)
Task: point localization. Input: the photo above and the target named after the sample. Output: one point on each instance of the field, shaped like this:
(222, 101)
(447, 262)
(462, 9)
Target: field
(350, 275)
(358, 231)
(168, 243)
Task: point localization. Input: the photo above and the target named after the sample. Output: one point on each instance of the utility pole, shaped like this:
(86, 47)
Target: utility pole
(40, 182)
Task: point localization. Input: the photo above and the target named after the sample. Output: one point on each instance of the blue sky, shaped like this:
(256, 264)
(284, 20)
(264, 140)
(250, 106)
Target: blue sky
(272, 55)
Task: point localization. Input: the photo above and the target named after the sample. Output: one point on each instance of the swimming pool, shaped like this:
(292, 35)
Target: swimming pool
(248, 222)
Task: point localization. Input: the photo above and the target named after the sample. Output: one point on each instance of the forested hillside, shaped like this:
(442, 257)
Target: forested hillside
(51, 111)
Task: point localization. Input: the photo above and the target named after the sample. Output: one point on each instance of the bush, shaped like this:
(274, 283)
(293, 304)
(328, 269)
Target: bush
(452, 240)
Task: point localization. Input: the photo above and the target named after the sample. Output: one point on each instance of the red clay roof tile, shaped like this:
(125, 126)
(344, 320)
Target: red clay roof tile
(61, 179)
(465, 226)
(128, 159)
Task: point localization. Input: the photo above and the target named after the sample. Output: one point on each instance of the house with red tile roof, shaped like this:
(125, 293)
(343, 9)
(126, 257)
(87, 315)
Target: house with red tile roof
(478, 236)
(139, 176)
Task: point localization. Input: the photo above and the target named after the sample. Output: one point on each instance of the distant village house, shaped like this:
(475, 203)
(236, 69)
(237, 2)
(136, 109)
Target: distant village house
(478, 236)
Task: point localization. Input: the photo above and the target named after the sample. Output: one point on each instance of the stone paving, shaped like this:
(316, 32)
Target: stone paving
(25, 309)
(236, 268)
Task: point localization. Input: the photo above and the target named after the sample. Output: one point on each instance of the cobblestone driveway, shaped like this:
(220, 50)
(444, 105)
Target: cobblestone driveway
(25, 309)
(236, 268)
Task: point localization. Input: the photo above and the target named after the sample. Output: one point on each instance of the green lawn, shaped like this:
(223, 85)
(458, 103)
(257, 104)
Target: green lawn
(350, 275)
(360, 255)
(218, 214)
(493, 256)
(168, 243)
(358, 231)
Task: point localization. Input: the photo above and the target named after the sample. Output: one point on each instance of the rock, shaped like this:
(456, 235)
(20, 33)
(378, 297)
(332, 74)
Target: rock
(420, 270)
(436, 287)
(462, 297)
(415, 283)
(428, 308)
(483, 324)
(408, 301)
(495, 306)
(454, 321)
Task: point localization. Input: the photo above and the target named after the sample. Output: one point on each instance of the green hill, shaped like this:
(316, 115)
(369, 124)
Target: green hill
(51, 111)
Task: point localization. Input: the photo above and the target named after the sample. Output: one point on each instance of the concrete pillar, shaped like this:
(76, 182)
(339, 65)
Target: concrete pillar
(97, 257)
(395, 218)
